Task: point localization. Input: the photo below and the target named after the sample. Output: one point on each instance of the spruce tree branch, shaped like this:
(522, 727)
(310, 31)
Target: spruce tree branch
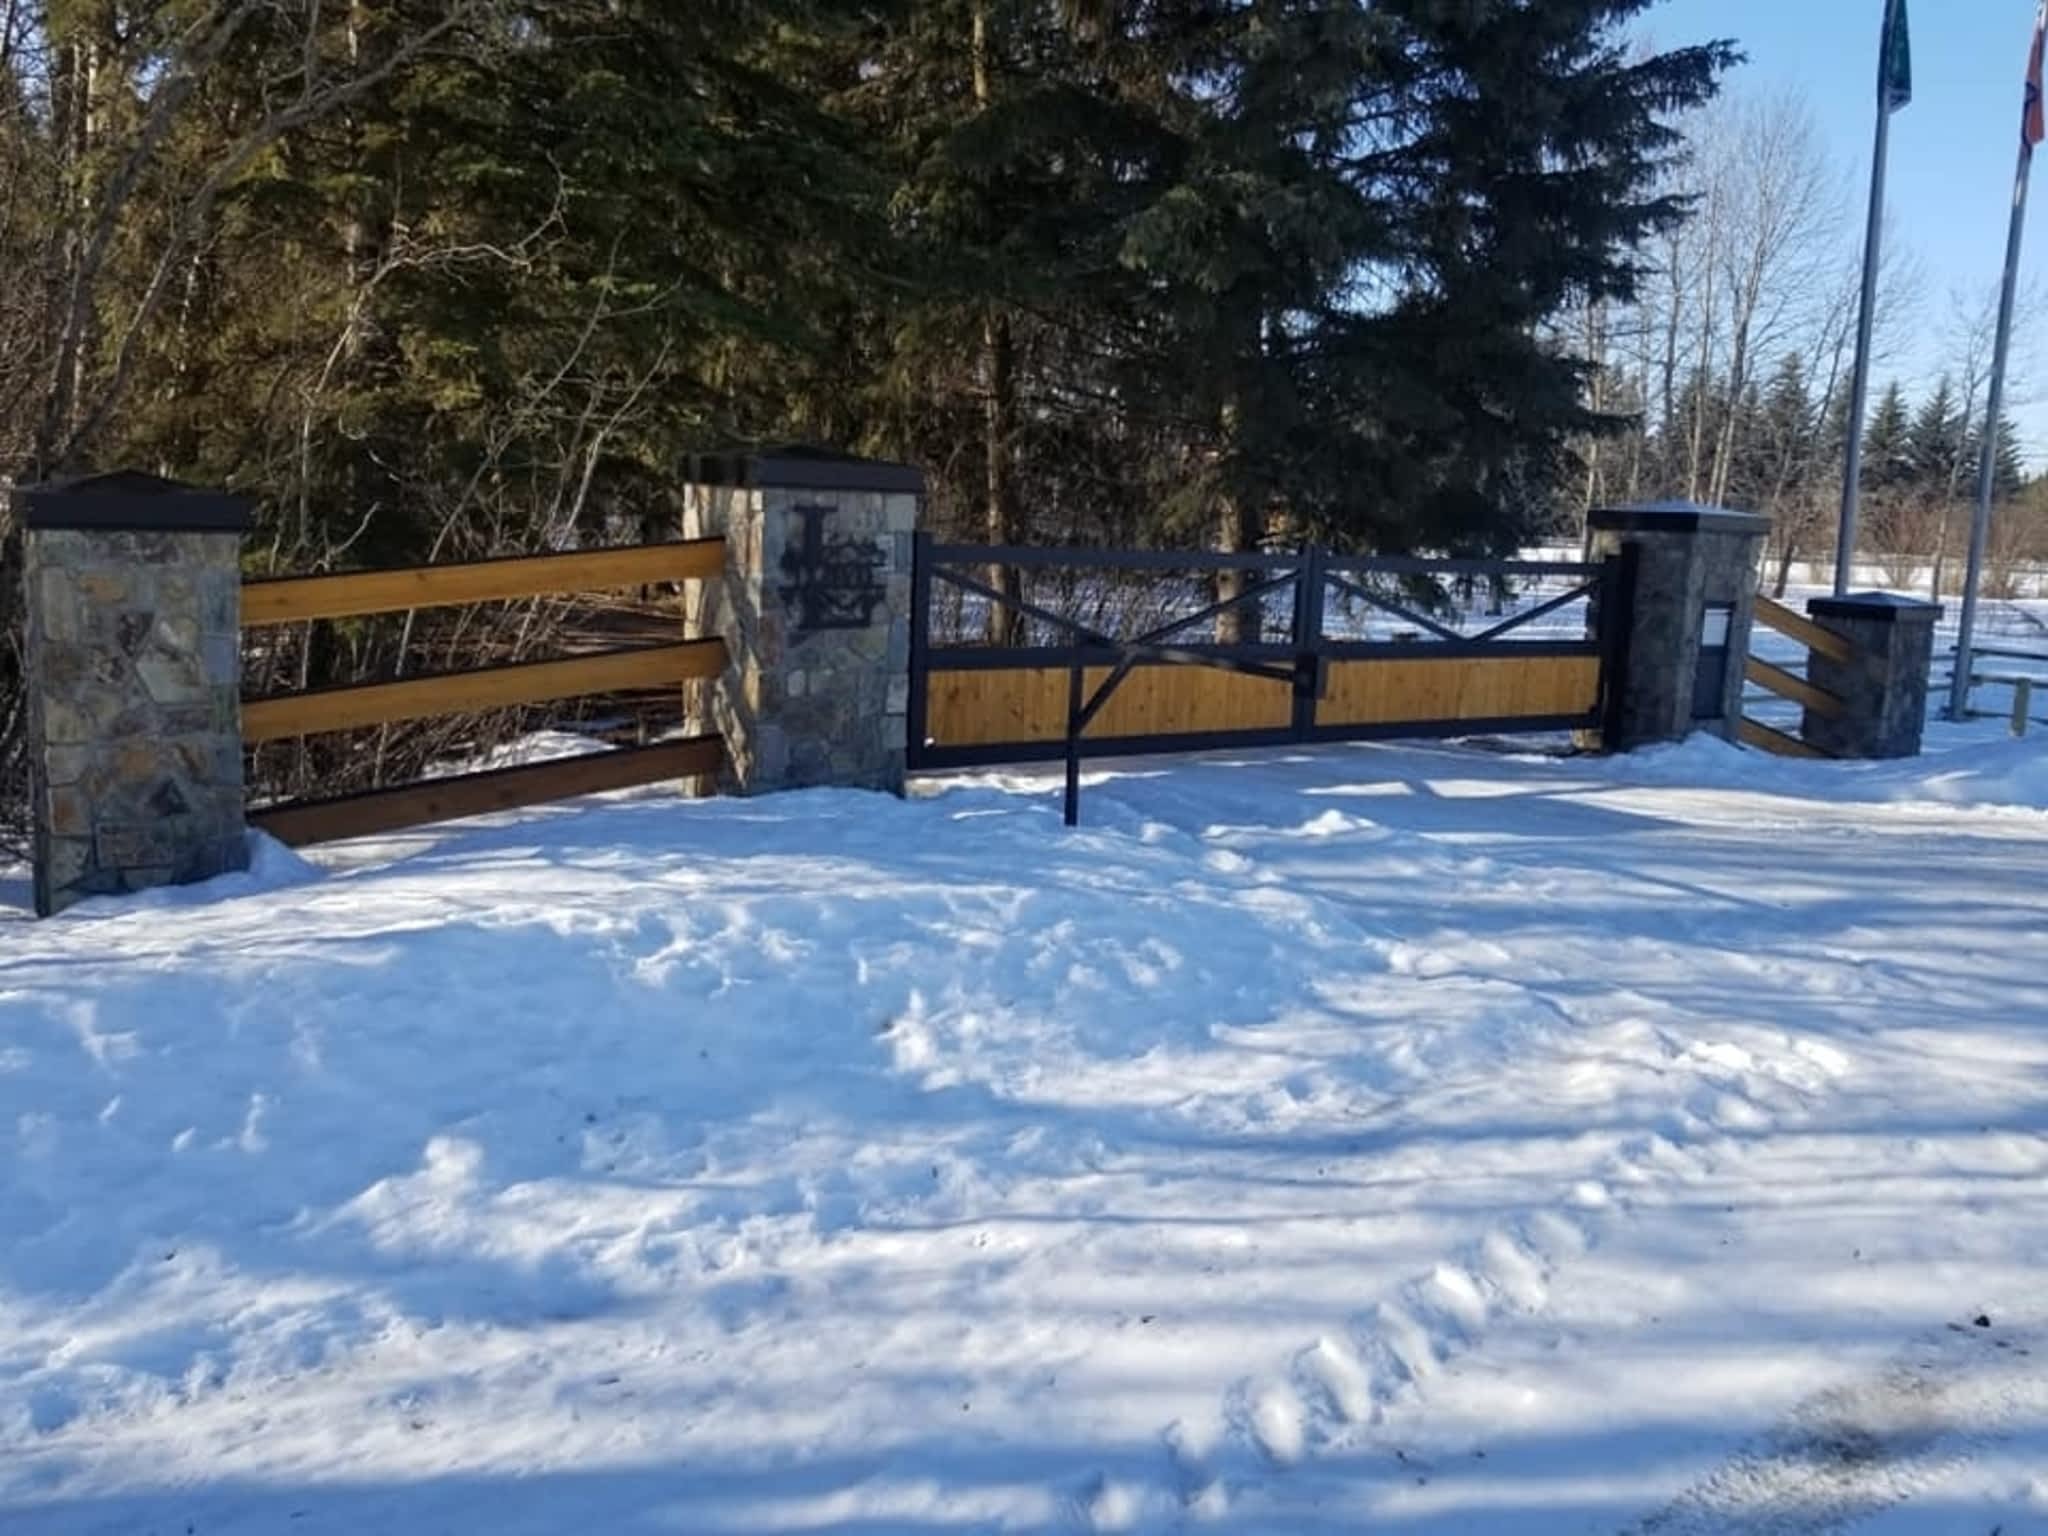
(312, 104)
(192, 61)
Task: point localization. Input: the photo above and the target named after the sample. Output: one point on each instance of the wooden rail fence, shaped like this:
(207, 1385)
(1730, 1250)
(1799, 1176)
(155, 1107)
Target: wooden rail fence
(297, 599)
(1790, 685)
(356, 594)
(455, 693)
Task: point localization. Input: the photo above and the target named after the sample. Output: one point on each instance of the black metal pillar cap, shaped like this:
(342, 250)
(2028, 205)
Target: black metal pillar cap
(800, 467)
(130, 501)
(1879, 607)
(1676, 517)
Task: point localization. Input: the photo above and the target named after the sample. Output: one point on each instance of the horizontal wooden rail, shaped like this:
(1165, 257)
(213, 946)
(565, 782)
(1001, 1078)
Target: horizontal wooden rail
(477, 794)
(1775, 615)
(454, 693)
(1754, 733)
(354, 594)
(1790, 685)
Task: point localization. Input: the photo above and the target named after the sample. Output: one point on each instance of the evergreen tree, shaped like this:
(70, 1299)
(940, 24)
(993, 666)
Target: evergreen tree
(1934, 445)
(2008, 473)
(1887, 455)
(1346, 328)
(1788, 447)
(1833, 446)
(1010, 157)
(1786, 428)
(527, 275)
(1225, 310)
(1750, 482)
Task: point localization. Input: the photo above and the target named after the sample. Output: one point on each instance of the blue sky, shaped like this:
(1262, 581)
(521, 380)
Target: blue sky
(1949, 188)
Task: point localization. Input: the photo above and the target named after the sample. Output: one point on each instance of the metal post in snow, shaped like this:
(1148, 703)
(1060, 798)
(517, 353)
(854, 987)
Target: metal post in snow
(1074, 684)
(1987, 457)
(1866, 316)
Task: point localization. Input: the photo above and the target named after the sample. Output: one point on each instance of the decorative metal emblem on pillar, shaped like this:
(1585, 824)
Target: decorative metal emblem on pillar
(834, 579)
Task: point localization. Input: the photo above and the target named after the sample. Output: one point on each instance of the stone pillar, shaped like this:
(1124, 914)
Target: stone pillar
(134, 684)
(1884, 684)
(815, 614)
(1688, 617)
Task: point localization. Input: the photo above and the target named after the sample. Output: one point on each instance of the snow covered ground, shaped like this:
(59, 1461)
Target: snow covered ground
(1412, 1139)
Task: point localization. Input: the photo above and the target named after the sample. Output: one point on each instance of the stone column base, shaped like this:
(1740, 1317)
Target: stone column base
(1883, 685)
(1689, 617)
(815, 613)
(134, 683)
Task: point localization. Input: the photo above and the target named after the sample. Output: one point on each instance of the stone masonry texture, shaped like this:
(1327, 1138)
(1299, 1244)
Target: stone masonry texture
(798, 707)
(1883, 686)
(134, 660)
(1691, 559)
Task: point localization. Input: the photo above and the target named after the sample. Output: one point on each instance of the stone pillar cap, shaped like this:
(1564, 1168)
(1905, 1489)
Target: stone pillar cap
(131, 501)
(1881, 607)
(803, 467)
(1676, 517)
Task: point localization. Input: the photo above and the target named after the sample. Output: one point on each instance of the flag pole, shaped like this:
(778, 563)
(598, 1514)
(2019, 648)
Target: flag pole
(1987, 455)
(1866, 315)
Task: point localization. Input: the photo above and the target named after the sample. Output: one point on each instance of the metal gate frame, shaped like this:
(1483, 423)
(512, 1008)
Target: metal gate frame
(1308, 576)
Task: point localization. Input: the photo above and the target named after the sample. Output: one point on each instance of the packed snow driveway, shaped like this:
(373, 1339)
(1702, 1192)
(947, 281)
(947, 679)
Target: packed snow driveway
(1417, 1140)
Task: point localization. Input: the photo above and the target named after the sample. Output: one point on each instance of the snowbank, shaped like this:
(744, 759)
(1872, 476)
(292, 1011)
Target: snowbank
(1973, 765)
(272, 868)
(1378, 1138)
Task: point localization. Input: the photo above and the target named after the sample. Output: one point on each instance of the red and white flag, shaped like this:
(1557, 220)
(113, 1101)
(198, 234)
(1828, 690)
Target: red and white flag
(2032, 126)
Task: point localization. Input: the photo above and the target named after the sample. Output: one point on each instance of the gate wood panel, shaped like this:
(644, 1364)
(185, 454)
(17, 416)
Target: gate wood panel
(1459, 689)
(1029, 705)
(973, 705)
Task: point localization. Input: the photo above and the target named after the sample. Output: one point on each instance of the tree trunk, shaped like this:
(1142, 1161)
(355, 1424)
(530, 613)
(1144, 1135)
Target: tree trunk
(1696, 440)
(1005, 526)
(1667, 388)
(1001, 521)
(74, 81)
(1596, 354)
(1942, 517)
(1238, 530)
(369, 353)
(1240, 516)
(1787, 553)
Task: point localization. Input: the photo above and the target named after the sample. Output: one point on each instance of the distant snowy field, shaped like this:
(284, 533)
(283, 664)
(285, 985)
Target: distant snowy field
(1390, 1139)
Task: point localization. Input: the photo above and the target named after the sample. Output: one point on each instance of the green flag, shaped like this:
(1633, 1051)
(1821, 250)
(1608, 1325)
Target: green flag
(1895, 75)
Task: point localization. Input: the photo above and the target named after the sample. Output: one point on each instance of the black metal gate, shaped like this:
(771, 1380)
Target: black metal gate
(1124, 652)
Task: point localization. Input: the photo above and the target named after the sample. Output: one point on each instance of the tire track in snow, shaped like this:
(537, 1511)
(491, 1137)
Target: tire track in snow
(1855, 1451)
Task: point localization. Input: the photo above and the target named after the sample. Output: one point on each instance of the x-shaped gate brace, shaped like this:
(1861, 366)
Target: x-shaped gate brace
(1308, 675)
(1444, 632)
